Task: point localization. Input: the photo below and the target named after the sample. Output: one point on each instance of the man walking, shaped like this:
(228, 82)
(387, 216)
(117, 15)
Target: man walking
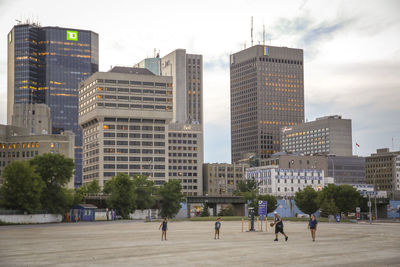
(278, 226)
(217, 227)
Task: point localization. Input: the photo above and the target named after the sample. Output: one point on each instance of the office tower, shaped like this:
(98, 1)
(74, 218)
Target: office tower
(124, 114)
(221, 179)
(17, 143)
(185, 156)
(45, 66)
(267, 93)
(187, 72)
(279, 182)
(383, 171)
(325, 135)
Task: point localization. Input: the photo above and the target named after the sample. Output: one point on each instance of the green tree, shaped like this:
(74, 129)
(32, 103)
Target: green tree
(90, 188)
(144, 190)
(307, 200)
(347, 198)
(205, 212)
(122, 194)
(22, 187)
(328, 207)
(171, 198)
(248, 189)
(228, 211)
(55, 170)
(272, 203)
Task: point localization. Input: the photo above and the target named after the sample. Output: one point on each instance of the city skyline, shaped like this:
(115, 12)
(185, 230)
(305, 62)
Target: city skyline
(347, 47)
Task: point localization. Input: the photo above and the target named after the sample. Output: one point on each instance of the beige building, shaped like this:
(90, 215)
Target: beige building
(16, 143)
(124, 115)
(325, 135)
(383, 171)
(185, 156)
(221, 179)
(187, 73)
(35, 117)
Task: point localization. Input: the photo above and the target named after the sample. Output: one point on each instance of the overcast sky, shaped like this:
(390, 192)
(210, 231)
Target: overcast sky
(352, 52)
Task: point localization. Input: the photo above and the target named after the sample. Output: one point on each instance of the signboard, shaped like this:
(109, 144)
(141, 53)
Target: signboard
(262, 208)
(358, 215)
(72, 35)
(369, 203)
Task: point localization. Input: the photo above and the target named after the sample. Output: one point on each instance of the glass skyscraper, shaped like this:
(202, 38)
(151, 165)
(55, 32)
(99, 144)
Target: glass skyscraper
(46, 65)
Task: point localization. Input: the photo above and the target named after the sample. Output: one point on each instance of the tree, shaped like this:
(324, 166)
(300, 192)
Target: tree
(328, 207)
(90, 188)
(272, 203)
(122, 194)
(248, 189)
(307, 200)
(144, 189)
(347, 198)
(22, 187)
(55, 170)
(228, 211)
(171, 198)
(205, 212)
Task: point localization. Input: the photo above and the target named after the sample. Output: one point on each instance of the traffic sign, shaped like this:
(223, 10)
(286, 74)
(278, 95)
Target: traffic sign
(358, 209)
(262, 207)
(369, 203)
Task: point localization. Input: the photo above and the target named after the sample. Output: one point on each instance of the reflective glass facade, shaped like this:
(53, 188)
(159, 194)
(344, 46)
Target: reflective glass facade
(49, 63)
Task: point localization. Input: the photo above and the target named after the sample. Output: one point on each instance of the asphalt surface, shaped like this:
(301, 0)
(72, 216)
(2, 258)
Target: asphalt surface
(127, 243)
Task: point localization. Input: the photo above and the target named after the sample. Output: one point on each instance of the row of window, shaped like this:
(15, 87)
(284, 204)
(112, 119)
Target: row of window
(20, 145)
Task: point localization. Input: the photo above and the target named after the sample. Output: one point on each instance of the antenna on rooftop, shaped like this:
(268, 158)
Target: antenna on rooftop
(263, 34)
(251, 30)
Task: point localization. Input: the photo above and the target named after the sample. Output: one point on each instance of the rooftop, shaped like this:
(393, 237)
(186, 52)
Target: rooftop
(130, 70)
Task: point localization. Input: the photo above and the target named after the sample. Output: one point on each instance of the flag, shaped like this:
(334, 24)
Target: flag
(357, 145)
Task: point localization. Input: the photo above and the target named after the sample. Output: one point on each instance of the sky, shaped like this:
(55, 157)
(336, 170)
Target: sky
(351, 50)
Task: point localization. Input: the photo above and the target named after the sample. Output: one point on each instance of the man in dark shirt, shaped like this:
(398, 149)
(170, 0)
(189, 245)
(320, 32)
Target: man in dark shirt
(278, 226)
(217, 227)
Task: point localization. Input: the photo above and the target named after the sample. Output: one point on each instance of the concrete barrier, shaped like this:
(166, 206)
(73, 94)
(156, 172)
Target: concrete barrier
(31, 218)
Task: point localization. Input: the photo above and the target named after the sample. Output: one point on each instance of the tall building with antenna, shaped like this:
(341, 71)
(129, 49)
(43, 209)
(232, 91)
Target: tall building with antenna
(45, 66)
(267, 93)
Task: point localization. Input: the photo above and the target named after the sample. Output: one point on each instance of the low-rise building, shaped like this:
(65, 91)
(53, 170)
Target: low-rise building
(383, 171)
(344, 169)
(279, 182)
(221, 179)
(16, 143)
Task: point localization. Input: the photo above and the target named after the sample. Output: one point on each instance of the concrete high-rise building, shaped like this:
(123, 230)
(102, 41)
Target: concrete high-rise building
(185, 156)
(17, 143)
(45, 66)
(325, 135)
(221, 179)
(187, 72)
(124, 114)
(267, 93)
(383, 171)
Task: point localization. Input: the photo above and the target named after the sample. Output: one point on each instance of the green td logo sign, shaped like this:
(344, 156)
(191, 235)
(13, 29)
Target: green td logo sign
(72, 35)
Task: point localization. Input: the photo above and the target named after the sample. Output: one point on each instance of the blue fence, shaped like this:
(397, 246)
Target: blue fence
(393, 211)
(287, 208)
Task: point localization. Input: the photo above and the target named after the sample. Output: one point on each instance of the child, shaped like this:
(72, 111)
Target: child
(164, 229)
(217, 227)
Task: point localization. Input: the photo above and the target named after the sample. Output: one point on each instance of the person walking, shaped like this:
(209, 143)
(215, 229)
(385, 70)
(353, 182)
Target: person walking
(107, 214)
(278, 226)
(164, 226)
(312, 225)
(217, 227)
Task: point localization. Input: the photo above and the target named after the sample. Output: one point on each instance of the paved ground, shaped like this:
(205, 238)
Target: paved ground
(126, 243)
